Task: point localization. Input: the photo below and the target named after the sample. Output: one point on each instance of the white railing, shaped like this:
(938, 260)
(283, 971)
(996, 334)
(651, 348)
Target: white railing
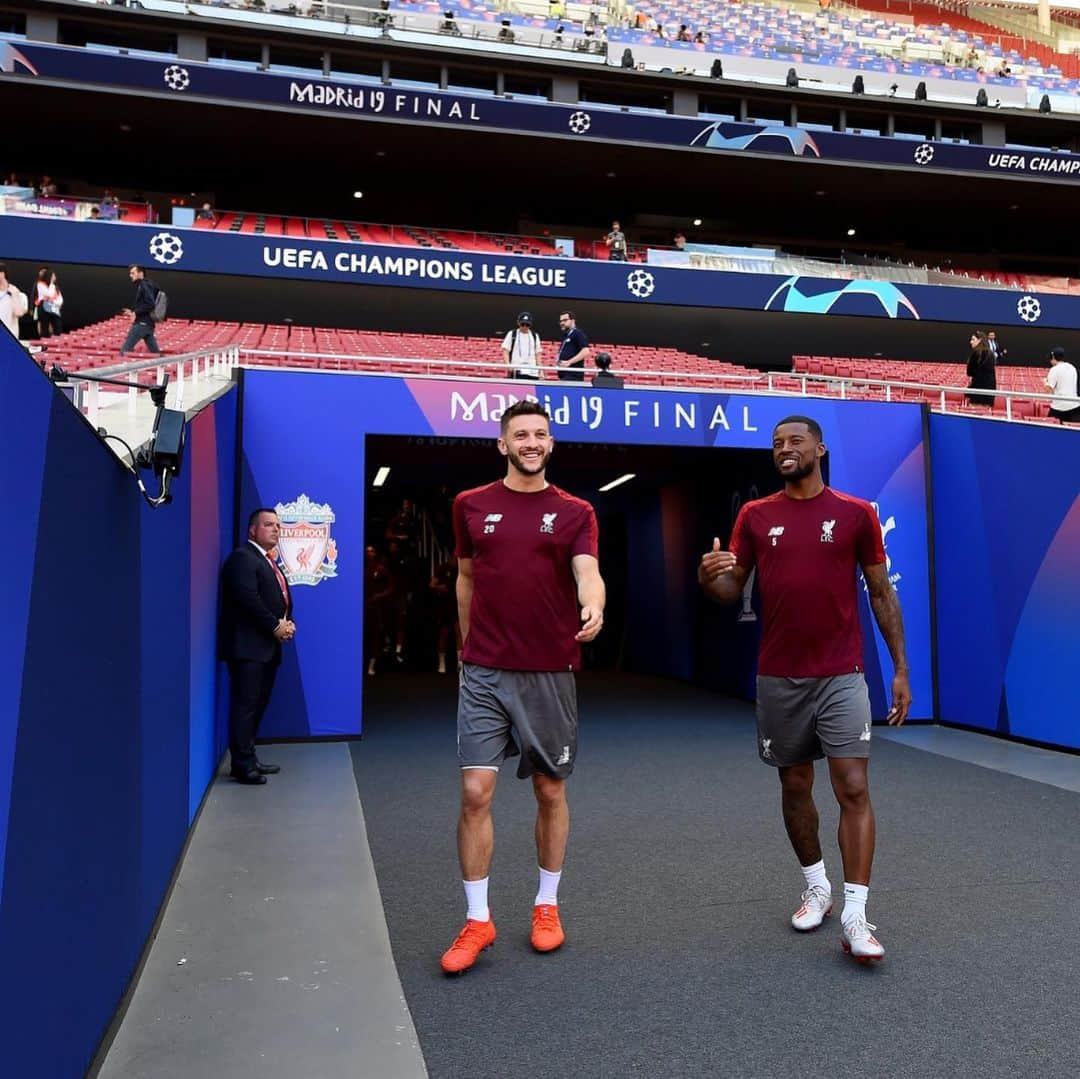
(496, 371)
(844, 383)
(761, 382)
(202, 365)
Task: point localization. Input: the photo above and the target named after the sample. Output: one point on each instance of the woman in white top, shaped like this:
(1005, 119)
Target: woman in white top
(521, 349)
(47, 304)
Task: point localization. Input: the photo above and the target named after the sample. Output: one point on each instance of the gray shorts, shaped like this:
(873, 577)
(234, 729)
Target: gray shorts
(505, 713)
(805, 719)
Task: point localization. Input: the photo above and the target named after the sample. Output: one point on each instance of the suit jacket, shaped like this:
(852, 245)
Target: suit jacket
(251, 606)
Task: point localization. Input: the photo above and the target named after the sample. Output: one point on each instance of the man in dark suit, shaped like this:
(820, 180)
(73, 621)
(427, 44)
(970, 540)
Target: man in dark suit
(256, 617)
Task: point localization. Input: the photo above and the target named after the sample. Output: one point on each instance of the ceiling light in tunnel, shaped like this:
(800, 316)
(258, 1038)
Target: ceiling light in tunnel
(615, 483)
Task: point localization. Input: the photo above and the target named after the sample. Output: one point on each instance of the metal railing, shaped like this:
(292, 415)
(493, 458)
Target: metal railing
(847, 382)
(201, 364)
(495, 371)
(764, 382)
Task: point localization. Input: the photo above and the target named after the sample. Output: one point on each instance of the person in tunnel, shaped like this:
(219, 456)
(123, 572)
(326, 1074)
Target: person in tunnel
(379, 611)
(807, 543)
(529, 593)
(443, 589)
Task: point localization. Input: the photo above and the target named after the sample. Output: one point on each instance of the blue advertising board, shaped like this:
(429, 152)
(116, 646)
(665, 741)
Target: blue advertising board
(280, 257)
(371, 100)
(876, 453)
(1007, 518)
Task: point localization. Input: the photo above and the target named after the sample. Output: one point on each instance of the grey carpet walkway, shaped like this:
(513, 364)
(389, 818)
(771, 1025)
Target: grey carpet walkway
(272, 960)
(676, 897)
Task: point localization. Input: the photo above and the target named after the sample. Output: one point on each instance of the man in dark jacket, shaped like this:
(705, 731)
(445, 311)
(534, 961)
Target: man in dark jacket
(256, 616)
(142, 323)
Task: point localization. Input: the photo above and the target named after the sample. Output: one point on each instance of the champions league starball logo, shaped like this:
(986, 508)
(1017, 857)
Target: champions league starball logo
(641, 284)
(1029, 308)
(852, 298)
(305, 547)
(924, 154)
(580, 122)
(177, 78)
(166, 248)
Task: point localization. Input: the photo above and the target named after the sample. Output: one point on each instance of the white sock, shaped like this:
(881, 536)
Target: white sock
(476, 897)
(815, 874)
(548, 895)
(854, 901)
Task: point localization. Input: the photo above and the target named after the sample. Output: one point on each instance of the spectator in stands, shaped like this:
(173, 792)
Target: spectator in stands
(616, 242)
(700, 39)
(521, 349)
(205, 213)
(684, 33)
(995, 346)
(141, 315)
(47, 303)
(506, 35)
(679, 241)
(378, 615)
(605, 378)
(12, 180)
(95, 214)
(1061, 380)
(47, 189)
(980, 369)
(574, 350)
(13, 303)
(256, 617)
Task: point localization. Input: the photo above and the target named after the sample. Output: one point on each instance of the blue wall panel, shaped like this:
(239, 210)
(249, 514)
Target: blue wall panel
(25, 407)
(73, 867)
(875, 451)
(1007, 522)
(107, 639)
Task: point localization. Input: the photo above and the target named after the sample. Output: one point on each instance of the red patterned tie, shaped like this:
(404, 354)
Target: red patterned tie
(280, 579)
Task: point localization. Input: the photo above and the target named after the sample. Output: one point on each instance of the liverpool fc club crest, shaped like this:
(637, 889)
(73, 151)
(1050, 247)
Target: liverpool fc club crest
(305, 547)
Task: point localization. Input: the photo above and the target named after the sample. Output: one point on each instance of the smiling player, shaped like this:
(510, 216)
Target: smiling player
(807, 543)
(529, 594)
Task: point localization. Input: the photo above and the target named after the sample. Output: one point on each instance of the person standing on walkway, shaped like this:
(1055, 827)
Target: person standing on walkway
(256, 617)
(13, 303)
(529, 594)
(807, 543)
(574, 350)
(141, 315)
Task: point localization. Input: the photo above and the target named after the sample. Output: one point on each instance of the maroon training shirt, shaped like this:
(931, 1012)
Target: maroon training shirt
(807, 553)
(525, 611)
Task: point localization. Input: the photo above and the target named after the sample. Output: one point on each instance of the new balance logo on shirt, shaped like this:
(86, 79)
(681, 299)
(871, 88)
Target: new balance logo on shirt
(776, 533)
(490, 521)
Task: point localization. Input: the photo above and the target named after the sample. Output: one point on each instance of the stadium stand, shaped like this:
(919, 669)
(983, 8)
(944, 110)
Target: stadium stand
(913, 373)
(329, 349)
(849, 39)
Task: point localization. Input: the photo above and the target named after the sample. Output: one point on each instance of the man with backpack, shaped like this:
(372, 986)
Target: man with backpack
(148, 311)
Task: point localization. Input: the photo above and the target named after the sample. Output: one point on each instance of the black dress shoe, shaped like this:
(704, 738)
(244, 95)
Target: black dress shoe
(267, 769)
(250, 776)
